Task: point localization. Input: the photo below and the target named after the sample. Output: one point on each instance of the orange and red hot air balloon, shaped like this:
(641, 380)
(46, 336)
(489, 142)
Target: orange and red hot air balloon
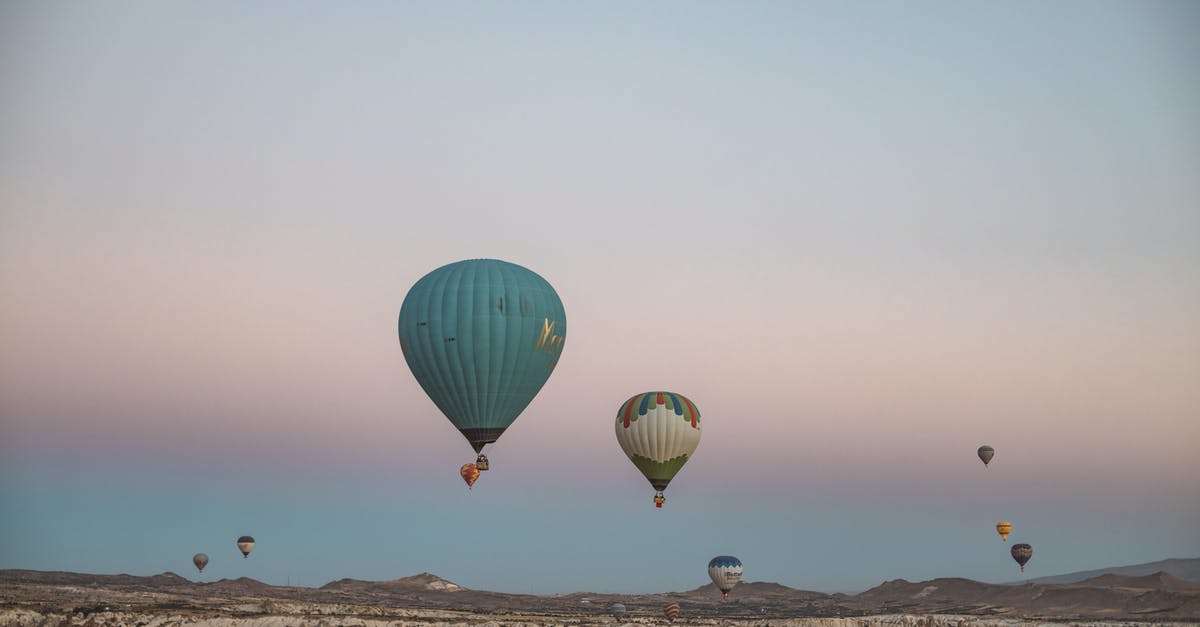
(469, 472)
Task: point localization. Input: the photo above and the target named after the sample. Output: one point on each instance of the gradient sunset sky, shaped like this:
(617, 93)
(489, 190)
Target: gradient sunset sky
(864, 237)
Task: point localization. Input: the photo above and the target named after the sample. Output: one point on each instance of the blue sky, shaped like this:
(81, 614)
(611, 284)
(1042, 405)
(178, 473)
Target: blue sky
(889, 233)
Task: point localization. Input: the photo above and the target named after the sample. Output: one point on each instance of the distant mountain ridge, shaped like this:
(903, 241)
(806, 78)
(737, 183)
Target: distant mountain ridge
(1159, 580)
(1108, 596)
(1158, 595)
(58, 577)
(1187, 569)
(1180, 572)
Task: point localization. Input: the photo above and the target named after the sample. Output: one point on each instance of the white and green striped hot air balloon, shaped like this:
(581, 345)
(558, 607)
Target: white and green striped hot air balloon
(659, 431)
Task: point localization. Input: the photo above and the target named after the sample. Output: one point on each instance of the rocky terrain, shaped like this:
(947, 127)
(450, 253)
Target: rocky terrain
(60, 598)
(1188, 569)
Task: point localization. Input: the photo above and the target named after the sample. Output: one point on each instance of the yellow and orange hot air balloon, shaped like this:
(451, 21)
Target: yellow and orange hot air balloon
(469, 473)
(1004, 528)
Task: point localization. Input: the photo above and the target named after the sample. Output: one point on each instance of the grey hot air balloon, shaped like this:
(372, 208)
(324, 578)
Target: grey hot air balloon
(985, 454)
(200, 560)
(245, 545)
(1021, 553)
(618, 610)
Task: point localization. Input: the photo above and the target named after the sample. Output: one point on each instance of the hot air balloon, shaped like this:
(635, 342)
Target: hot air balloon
(245, 545)
(1022, 553)
(659, 431)
(618, 610)
(469, 474)
(985, 454)
(726, 572)
(1004, 528)
(671, 611)
(200, 560)
(481, 337)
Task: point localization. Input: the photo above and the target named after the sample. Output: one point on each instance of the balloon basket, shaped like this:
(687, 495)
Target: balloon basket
(481, 462)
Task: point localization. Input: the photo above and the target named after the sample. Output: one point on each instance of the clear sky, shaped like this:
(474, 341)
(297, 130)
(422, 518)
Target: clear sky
(864, 238)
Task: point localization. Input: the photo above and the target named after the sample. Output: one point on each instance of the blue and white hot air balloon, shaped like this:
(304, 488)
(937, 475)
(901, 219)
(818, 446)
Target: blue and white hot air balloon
(726, 572)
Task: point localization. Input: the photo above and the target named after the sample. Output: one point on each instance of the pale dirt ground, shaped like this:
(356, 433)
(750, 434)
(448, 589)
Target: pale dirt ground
(313, 615)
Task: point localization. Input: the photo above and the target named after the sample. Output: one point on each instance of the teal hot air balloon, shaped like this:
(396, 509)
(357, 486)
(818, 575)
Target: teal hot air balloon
(481, 337)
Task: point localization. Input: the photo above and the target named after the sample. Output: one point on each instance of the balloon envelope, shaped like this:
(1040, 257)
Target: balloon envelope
(617, 609)
(245, 544)
(985, 454)
(481, 337)
(1021, 553)
(469, 474)
(671, 611)
(1004, 528)
(725, 571)
(200, 560)
(659, 431)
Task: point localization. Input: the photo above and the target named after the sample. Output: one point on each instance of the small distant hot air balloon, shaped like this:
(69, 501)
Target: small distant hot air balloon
(618, 610)
(200, 560)
(245, 545)
(1021, 553)
(671, 611)
(985, 454)
(726, 572)
(659, 431)
(1004, 528)
(481, 337)
(469, 474)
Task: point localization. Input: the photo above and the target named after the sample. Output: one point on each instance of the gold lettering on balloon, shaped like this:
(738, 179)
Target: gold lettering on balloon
(549, 341)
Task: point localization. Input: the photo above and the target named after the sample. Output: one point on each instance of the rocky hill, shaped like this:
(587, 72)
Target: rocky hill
(1108, 596)
(424, 582)
(1187, 569)
(1154, 597)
